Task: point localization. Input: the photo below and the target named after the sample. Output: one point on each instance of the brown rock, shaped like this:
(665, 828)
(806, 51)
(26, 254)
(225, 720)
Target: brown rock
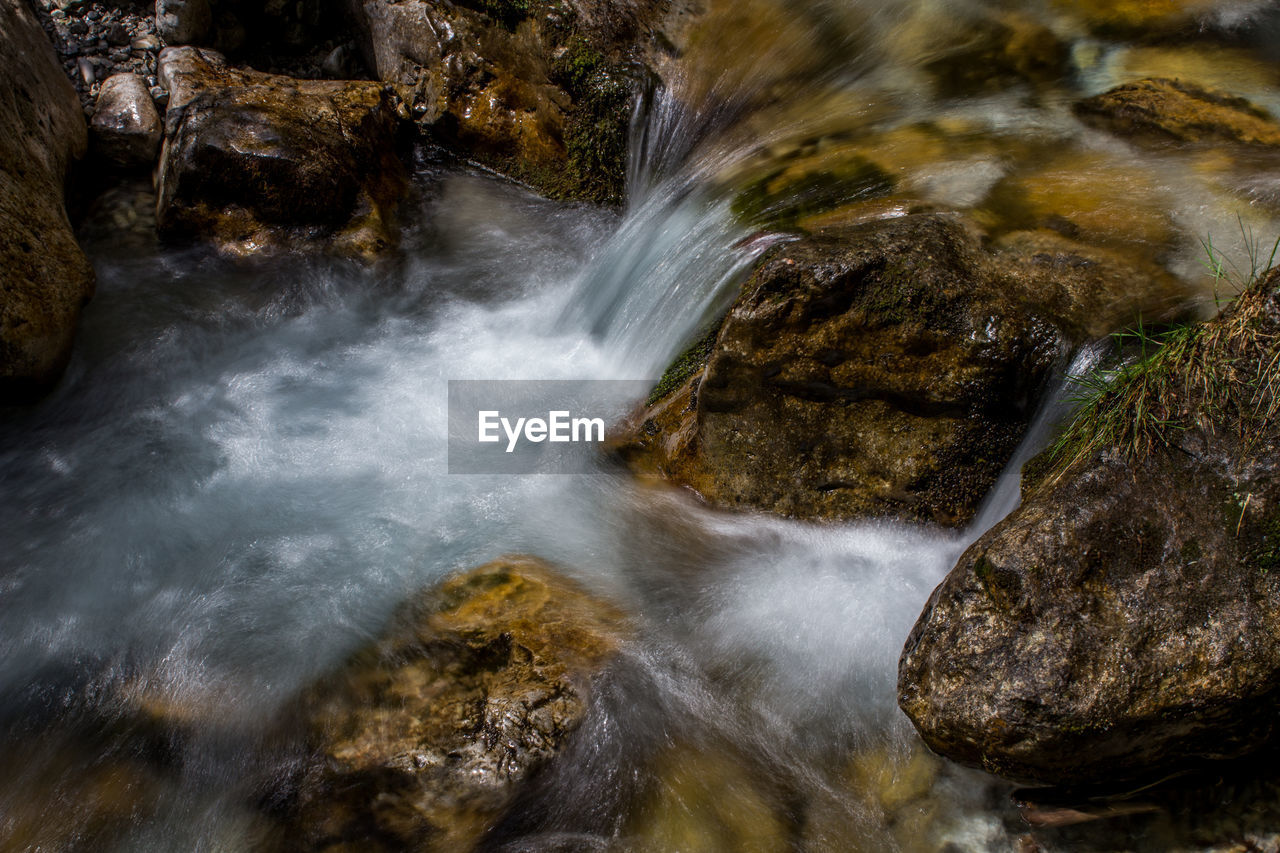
(539, 90)
(422, 739)
(126, 127)
(257, 161)
(1124, 622)
(44, 276)
(1164, 109)
(888, 368)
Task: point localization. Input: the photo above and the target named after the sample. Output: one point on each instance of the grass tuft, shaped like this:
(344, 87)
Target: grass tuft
(1222, 374)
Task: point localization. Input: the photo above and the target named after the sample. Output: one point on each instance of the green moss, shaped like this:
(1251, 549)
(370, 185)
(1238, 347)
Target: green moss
(689, 362)
(598, 124)
(1002, 586)
(772, 201)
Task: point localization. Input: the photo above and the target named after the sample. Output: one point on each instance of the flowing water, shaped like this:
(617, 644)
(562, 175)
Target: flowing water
(243, 472)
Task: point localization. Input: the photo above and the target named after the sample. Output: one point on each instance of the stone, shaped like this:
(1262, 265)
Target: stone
(539, 90)
(258, 162)
(45, 278)
(880, 369)
(182, 22)
(888, 368)
(421, 740)
(1124, 622)
(126, 127)
(1173, 110)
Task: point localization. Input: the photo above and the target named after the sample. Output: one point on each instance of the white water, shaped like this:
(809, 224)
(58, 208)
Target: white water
(244, 472)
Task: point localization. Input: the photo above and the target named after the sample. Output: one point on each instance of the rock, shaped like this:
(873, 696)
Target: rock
(126, 127)
(881, 369)
(44, 276)
(421, 740)
(1137, 18)
(539, 90)
(708, 800)
(1103, 199)
(967, 53)
(887, 368)
(183, 21)
(1124, 622)
(255, 161)
(1183, 112)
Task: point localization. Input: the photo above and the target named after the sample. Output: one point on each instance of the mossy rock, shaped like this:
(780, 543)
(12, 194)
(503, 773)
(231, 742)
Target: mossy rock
(421, 740)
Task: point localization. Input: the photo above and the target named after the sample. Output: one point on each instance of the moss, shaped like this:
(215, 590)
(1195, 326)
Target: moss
(1036, 470)
(778, 202)
(597, 127)
(901, 297)
(1002, 586)
(689, 362)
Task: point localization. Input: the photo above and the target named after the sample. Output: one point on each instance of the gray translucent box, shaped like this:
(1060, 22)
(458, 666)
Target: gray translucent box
(554, 426)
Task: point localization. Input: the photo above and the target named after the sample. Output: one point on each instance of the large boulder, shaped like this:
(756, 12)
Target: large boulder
(421, 740)
(257, 161)
(1125, 621)
(888, 368)
(45, 278)
(540, 90)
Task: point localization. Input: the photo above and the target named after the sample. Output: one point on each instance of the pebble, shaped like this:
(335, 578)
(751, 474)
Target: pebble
(86, 71)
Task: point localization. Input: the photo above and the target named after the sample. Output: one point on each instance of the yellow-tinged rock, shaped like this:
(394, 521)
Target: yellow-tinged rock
(707, 801)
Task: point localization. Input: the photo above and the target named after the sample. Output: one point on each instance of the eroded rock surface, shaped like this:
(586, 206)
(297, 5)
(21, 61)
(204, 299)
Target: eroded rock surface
(421, 740)
(254, 161)
(44, 276)
(1125, 620)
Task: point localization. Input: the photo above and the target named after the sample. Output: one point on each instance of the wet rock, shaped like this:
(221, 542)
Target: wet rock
(1182, 112)
(541, 91)
(183, 21)
(255, 161)
(887, 368)
(44, 276)
(881, 369)
(708, 801)
(1123, 622)
(1102, 199)
(422, 739)
(1137, 18)
(966, 54)
(126, 126)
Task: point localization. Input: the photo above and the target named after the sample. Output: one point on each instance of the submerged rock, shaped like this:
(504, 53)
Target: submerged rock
(539, 90)
(44, 276)
(256, 161)
(1125, 620)
(1182, 112)
(1137, 18)
(126, 126)
(422, 739)
(889, 368)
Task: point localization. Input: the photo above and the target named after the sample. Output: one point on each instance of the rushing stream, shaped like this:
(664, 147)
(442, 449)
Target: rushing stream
(243, 473)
